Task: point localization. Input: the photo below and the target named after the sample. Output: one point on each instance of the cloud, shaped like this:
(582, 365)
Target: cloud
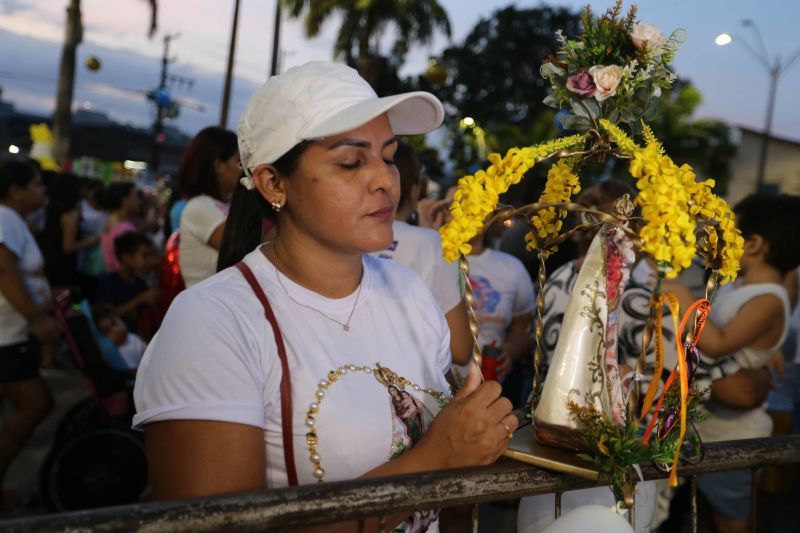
(26, 99)
(12, 6)
(119, 87)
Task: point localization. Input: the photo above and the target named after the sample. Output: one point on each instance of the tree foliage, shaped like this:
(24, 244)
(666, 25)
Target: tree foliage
(705, 144)
(365, 22)
(494, 78)
(494, 74)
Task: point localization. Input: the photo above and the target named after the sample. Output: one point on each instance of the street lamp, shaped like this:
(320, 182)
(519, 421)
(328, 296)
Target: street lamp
(468, 123)
(775, 68)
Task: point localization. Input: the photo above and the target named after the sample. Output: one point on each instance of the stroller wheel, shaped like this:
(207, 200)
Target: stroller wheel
(99, 468)
(84, 416)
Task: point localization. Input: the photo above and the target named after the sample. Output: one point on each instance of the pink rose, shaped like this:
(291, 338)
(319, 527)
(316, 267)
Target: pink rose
(581, 83)
(606, 80)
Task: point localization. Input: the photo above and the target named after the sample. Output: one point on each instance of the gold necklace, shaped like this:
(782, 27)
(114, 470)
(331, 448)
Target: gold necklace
(382, 374)
(345, 325)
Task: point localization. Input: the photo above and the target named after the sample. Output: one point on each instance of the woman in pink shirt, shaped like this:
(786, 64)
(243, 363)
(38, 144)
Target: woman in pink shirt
(123, 199)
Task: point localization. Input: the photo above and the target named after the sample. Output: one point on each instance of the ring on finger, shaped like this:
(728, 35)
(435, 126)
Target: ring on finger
(509, 433)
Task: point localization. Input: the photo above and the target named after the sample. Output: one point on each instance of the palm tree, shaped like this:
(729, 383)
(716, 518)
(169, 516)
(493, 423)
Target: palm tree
(73, 35)
(364, 22)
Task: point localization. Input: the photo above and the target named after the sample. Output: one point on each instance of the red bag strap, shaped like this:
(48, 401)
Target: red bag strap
(286, 381)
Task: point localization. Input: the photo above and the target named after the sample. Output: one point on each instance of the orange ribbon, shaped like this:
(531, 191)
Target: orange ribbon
(704, 306)
(674, 309)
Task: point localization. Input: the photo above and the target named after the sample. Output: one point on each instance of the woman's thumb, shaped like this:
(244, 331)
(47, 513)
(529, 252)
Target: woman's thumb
(473, 381)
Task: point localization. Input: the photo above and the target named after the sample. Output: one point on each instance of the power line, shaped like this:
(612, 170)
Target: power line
(210, 49)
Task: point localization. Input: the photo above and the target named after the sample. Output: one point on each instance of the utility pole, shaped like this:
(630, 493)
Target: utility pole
(775, 69)
(774, 76)
(226, 94)
(62, 117)
(276, 39)
(161, 97)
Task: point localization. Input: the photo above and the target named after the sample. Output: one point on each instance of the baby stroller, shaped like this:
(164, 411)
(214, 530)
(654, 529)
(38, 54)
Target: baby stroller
(96, 459)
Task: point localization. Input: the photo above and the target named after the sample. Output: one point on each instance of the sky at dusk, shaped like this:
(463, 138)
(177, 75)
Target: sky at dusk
(734, 83)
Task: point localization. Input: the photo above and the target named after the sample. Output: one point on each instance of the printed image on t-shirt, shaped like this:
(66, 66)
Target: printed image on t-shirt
(410, 417)
(486, 296)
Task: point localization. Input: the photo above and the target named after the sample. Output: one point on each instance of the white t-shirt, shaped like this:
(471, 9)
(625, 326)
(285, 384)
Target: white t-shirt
(92, 220)
(16, 236)
(727, 423)
(202, 215)
(421, 250)
(132, 350)
(215, 358)
(503, 290)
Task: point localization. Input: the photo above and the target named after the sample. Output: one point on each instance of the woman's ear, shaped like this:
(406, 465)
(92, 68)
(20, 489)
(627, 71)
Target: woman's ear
(269, 184)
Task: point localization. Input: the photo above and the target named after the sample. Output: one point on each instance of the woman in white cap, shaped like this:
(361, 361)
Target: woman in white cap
(309, 361)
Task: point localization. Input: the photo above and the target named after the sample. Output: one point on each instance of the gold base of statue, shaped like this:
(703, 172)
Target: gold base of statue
(525, 448)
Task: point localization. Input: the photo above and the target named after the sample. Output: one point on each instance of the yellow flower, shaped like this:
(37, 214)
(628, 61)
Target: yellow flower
(669, 232)
(477, 196)
(673, 203)
(626, 145)
(562, 184)
(712, 209)
(650, 138)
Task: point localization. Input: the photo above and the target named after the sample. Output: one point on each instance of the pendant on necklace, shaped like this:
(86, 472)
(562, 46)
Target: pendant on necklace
(346, 327)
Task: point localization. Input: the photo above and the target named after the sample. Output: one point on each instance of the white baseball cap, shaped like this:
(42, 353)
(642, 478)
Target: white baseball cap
(320, 99)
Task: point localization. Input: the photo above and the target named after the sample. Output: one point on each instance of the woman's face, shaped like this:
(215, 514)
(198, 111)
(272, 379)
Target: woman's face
(32, 196)
(345, 190)
(228, 174)
(133, 201)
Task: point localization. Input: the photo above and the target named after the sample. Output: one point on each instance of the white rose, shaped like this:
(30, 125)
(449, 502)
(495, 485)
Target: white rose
(606, 79)
(646, 34)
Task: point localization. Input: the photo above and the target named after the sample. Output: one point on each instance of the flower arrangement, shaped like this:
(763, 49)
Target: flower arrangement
(615, 69)
(612, 74)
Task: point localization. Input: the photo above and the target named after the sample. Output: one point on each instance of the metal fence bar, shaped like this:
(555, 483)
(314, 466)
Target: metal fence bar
(350, 500)
(693, 488)
(754, 479)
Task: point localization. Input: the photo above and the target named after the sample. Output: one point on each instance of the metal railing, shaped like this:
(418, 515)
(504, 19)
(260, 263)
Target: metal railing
(348, 500)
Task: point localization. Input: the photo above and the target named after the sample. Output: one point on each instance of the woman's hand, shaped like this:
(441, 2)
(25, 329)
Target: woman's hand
(472, 429)
(431, 213)
(45, 329)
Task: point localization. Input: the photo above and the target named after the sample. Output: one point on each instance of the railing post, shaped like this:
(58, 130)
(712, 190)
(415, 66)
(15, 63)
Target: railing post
(693, 486)
(557, 505)
(753, 499)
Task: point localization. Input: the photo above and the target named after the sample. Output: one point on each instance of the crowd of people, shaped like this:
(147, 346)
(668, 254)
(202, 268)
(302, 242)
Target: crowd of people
(306, 327)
